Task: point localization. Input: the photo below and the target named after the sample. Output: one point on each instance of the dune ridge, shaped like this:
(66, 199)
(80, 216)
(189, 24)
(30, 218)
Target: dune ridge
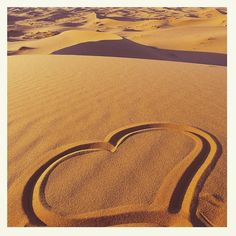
(127, 48)
(181, 207)
(60, 41)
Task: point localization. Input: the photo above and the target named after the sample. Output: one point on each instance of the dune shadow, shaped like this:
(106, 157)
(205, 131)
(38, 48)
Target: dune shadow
(129, 49)
(222, 10)
(15, 33)
(72, 24)
(20, 50)
(56, 16)
(132, 30)
(11, 19)
(124, 17)
(192, 15)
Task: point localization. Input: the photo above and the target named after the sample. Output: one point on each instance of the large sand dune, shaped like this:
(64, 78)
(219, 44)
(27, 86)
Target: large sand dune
(152, 81)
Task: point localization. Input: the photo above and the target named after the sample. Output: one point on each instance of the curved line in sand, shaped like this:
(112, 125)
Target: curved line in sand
(176, 199)
(205, 219)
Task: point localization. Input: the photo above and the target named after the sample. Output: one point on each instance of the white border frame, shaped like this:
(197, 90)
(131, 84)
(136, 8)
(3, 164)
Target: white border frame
(231, 186)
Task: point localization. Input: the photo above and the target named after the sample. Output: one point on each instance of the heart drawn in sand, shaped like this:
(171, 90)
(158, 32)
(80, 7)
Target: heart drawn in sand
(175, 203)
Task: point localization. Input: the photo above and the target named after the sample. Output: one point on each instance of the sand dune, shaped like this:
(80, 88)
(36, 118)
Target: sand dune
(129, 49)
(57, 42)
(34, 128)
(106, 44)
(143, 78)
(183, 29)
(189, 38)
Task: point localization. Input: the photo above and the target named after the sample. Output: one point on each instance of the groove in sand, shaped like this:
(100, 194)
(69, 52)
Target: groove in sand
(175, 203)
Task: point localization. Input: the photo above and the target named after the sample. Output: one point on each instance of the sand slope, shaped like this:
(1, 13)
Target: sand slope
(91, 100)
(57, 42)
(96, 73)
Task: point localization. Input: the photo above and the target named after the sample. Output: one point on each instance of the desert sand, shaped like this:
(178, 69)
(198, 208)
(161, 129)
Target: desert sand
(117, 117)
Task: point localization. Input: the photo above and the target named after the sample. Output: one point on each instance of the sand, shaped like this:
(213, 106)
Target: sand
(117, 117)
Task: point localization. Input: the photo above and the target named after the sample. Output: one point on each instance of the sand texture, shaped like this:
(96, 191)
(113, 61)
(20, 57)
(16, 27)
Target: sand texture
(117, 117)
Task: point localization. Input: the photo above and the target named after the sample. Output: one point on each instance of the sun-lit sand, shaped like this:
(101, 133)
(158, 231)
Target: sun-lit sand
(144, 90)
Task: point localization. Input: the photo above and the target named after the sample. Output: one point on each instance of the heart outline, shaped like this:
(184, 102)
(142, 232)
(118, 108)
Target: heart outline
(132, 213)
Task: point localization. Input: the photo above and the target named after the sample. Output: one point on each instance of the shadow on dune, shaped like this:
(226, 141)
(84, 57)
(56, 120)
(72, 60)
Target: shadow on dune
(124, 18)
(15, 33)
(130, 49)
(11, 19)
(72, 24)
(132, 30)
(19, 51)
(57, 16)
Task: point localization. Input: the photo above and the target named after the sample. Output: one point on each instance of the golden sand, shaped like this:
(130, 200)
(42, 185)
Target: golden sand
(117, 117)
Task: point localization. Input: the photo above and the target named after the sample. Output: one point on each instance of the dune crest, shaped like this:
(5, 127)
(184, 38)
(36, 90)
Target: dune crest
(130, 49)
(60, 41)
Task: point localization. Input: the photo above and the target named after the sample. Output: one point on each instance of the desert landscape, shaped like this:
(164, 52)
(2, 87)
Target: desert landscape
(117, 117)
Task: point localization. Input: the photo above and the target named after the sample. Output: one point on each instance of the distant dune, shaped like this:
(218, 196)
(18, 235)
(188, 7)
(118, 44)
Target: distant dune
(187, 29)
(129, 49)
(61, 41)
(117, 117)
